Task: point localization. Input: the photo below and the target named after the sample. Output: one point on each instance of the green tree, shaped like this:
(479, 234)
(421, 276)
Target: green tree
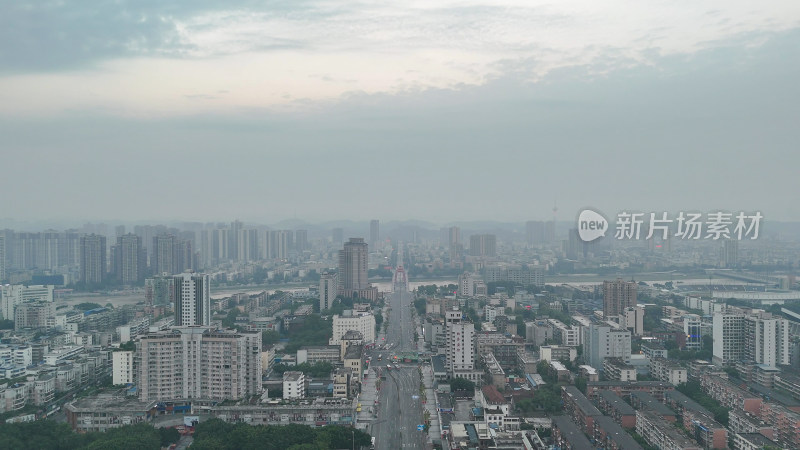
(462, 384)
(269, 337)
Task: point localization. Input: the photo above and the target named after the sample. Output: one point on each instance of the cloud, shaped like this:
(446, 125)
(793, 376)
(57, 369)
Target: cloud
(145, 58)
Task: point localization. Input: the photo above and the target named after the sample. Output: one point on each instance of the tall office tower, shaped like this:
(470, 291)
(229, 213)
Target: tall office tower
(328, 288)
(2, 257)
(601, 342)
(618, 295)
(767, 339)
(729, 253)
(460, 353)
(454, 244)
(93, 259)
(192, 299)
(337, 236)
(534, 232)
(248, 245)
(129, 259)
(199, 362)
(484, 245)
(729, 337)
(119, 230)
(374, 234)
(353, 260)
(301, 240)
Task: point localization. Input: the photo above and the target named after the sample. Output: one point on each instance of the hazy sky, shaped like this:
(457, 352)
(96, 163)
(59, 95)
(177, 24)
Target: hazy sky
(436, 110)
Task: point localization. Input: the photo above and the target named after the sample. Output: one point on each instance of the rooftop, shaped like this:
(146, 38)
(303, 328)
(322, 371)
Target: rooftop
(618, 403)
(492, 395)
(571, 433)
(615, 433)
(581, 401)
(292, 376)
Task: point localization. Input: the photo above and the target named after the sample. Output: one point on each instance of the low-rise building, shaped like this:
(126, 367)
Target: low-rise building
(615, 407)
(294, 385)
(618, 370)
(660, 433)
(668, 370)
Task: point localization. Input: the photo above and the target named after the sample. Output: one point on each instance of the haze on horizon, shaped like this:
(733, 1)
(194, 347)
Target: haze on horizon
(441, 111)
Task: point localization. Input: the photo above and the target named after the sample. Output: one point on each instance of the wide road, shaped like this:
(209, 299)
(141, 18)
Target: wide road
(399, 412)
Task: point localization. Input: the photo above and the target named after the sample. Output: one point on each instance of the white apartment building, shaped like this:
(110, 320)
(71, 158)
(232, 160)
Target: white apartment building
(666, 370)
(601, 342)
(12, 295)
(328, 287)
(199, 362)
(767, 339)
(363, 322)
(460, 355)
(729, 337)
(122, 367)
(294, 385)
(569, 336)
(490, 313)
(192, 299)
(755, 335)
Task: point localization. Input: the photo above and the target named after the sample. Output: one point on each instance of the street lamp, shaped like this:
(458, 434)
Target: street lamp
(354, 439)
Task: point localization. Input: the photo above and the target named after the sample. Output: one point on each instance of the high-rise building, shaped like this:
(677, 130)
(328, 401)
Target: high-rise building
(455, 247)
(93, 259)
(233, 239)
(337, 236)
(767, 339)
(171, 254)
(353, 260)
(192, 299)
(374, 234)
(729, 253)
(301, 240)
(483, 245)
(535, 232)
(199, 363)
(2, 257)
(757, 337)
(617, 296)
(248, 245)
(328, 289)
(601, 342)
(129, 260)
(122, 367)
(550, 231)
(460, 351)
(729, 337)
